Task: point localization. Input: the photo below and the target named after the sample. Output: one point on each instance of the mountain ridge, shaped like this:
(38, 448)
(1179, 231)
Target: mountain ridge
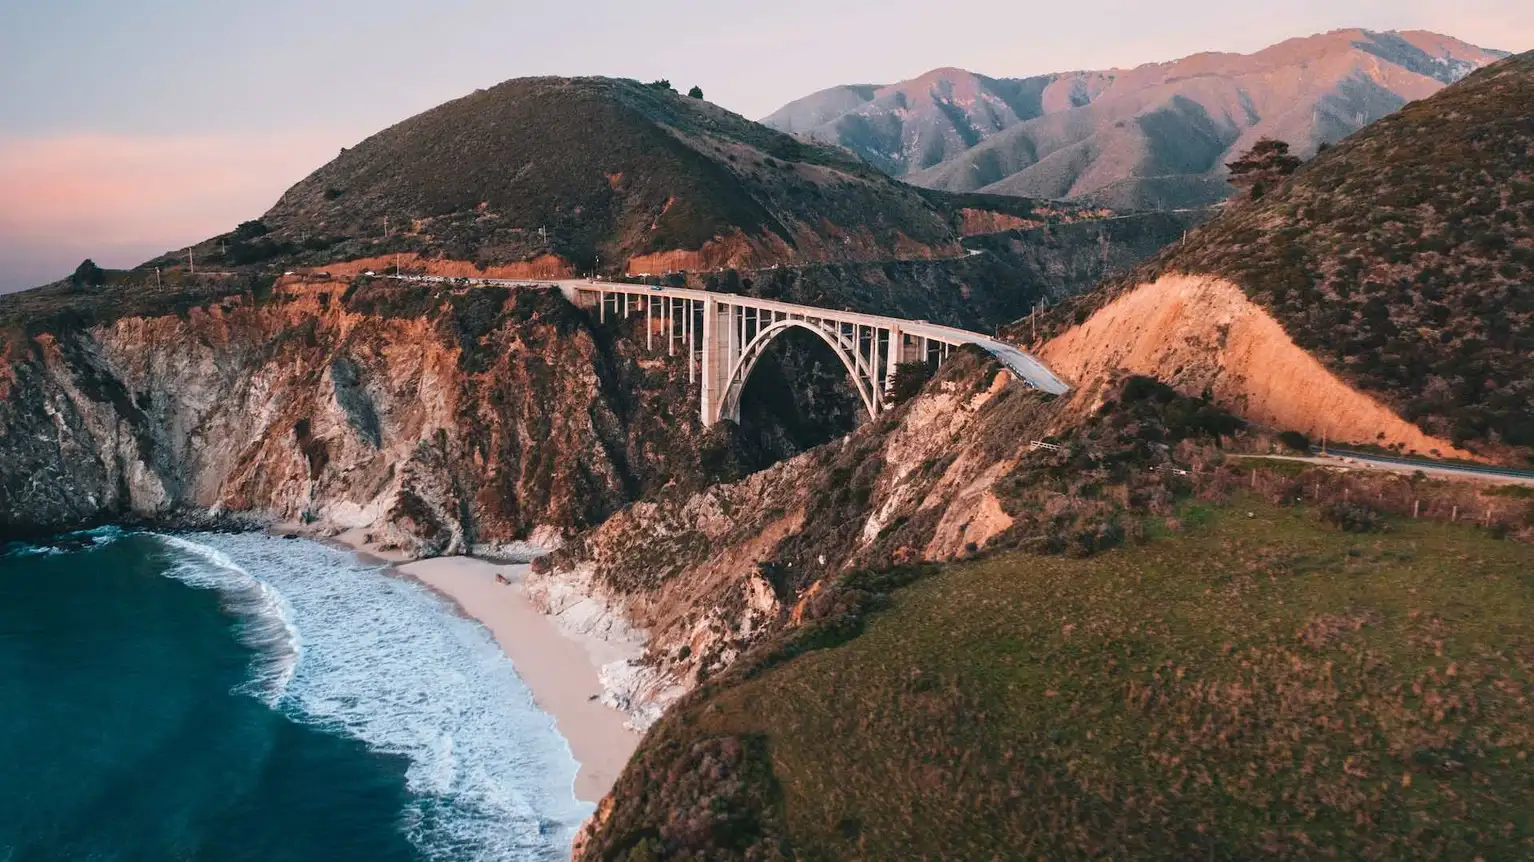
(1154, 136)
(550, 177)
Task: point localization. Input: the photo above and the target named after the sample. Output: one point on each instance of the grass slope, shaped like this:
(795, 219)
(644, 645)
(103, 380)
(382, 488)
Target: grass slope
(1258, 684)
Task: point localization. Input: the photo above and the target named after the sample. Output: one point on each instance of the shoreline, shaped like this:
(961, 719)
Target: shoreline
(560, 669)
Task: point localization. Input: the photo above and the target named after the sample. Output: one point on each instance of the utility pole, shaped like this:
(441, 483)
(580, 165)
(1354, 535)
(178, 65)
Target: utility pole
(157, 278)
(191, 262)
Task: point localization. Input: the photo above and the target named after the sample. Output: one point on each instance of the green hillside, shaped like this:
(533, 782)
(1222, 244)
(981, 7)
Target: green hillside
(1258, 684)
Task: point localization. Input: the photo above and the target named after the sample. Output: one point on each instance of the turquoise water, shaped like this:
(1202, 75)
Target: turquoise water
(231, 697)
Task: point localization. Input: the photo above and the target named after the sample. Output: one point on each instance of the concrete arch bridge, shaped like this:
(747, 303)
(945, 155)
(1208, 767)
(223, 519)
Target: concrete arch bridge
(724, 335)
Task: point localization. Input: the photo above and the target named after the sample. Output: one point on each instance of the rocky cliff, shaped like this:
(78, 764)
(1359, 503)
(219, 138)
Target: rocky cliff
(440, 418)
(437, 418)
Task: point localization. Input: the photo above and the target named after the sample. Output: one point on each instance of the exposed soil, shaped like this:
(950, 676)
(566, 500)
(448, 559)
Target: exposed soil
(1201, 333)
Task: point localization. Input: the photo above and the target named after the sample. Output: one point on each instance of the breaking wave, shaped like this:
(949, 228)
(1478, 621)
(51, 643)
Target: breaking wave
(352, 649)
(266, 620)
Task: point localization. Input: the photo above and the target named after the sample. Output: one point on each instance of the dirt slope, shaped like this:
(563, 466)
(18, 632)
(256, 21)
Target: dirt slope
(1204, 334)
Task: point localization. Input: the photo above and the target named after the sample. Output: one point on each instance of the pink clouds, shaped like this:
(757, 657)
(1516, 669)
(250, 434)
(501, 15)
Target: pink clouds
(118, 190)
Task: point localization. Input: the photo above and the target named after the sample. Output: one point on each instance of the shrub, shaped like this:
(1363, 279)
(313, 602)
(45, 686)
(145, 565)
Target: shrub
(249, 230)
(1140, 388)
(1295, 441)
(909, 379)
(88, 274)
(1351, 517)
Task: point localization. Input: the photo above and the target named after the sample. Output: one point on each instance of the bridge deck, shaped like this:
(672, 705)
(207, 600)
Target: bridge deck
(1016, 360)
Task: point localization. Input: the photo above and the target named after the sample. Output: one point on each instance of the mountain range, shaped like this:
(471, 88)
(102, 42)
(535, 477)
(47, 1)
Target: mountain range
(1152, 137)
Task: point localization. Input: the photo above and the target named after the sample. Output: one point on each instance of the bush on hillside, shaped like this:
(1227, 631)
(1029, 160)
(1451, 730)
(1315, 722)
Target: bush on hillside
(249, 230)
(1351, 517)
(1266, 164)
(909, 379)
(1295, 441)
(88, 274)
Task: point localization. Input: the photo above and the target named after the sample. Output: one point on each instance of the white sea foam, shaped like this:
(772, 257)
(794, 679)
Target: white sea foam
(267, 622)
(384, 660)
(21, 550)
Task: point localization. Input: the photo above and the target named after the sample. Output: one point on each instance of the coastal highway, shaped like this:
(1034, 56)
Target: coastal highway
(1351, 459)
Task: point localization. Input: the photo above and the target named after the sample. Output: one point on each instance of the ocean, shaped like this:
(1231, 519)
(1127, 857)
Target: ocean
(242, 696)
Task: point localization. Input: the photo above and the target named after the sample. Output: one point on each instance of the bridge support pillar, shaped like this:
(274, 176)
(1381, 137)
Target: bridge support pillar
(896, 351)
(720, 354)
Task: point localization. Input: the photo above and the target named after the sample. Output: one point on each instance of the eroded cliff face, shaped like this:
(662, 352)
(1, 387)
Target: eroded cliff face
(436, 419)
(703, 577)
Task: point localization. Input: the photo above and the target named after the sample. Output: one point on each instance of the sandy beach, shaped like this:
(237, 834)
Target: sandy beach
(560, 670)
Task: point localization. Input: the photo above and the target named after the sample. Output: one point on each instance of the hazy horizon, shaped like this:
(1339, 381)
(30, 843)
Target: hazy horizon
(128, 132)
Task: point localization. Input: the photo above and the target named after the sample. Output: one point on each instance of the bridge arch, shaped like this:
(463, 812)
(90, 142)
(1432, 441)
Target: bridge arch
(864, 378)
(723, 336)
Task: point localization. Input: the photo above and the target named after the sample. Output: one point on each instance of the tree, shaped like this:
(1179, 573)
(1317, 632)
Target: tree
(1265, 165)
(909, 379)
(662, 84)
(88, 274)
(249, 230)
(696, 92)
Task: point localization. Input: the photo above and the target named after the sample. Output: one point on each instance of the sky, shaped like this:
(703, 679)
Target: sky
(130, 127)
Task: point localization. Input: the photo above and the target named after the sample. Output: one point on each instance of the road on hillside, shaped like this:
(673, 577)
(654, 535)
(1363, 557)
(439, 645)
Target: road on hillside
(1392, 464)
(1424, 464)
